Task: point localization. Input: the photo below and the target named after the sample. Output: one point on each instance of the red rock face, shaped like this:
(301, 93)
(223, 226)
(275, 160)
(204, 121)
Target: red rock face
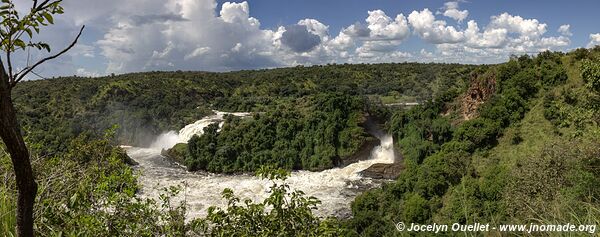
(482, 88)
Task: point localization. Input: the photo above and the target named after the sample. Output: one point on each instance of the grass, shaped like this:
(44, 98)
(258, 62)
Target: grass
(534, 129)
(590, 217)
(7, 213)
(535, 133)
(391, 99)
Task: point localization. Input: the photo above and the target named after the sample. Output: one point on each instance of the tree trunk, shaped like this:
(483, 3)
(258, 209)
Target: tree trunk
(10, 132)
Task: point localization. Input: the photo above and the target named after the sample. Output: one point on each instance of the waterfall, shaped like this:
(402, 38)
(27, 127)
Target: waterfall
(336, 187)
(171, 138)
(166, 140)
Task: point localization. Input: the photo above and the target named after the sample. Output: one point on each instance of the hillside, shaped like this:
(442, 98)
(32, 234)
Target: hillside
(144, 105)
(516, 142)
(529, 153)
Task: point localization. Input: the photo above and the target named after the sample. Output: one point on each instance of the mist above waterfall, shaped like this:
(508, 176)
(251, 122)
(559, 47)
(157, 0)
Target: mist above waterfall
(165, 140)
(385, 151)
(171, 138)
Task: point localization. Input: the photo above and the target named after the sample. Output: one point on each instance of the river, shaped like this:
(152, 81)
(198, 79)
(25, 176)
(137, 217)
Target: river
(336, 187)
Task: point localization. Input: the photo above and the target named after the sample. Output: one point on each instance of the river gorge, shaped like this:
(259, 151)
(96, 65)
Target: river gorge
(336, 187)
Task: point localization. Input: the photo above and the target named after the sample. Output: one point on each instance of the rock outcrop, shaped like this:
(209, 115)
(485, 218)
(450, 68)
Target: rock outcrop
(482, 88)
(176, 153)
(383, 171)
(363, 153)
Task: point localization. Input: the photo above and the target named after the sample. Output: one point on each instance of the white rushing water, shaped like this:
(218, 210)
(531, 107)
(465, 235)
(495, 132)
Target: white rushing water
(171, 138)
(336, 188)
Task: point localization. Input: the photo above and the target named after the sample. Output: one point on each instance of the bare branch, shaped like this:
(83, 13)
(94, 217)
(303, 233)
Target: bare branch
(40, 76)
(19, 76)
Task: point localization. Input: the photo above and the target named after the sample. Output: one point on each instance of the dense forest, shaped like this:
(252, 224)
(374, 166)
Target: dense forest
(517, 142)
(315, 134)
(144, 105)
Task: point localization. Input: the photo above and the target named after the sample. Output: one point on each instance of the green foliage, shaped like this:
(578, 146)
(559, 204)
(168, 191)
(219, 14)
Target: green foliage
(552, 73)
(581, 53)
(416, 209)
(318, 134)
(8, 208)
(283, 213)
(563, 177)
(14, 25)
(443, 181)
(481, 132)
(374, 213)
(91, 191)
(310, 118)
(590, 71)
(422, 129)
(574, 106)
(178, 153)
(145, 105)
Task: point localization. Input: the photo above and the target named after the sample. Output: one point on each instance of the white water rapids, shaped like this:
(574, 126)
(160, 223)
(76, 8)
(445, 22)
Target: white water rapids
(336, 188)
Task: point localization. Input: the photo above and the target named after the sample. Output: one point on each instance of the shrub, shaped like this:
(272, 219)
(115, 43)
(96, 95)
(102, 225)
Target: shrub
(481, 132)
(590, 72)
(283, 213)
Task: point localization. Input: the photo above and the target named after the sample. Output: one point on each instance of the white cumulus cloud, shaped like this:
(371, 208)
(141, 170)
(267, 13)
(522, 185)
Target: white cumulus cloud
(143, 35)
(382, 27)
(530, 28)
(203, 41)
(432, 30)
(594, 40)
(451, 9)
(565, 30)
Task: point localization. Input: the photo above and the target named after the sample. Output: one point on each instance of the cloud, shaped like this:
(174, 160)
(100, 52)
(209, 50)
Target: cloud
(432, 30)
(594, 40)
(376, 39)
(565, 30)
(153, 18)
(238, 13)
(144, 35)
(357, 30)
(316, 27)
(204, 41)
(426, 54)
(85, 73)
(382, 27)
(504, 35)
(299, 39)
(203, 50)
(529, 28)
(83, 50)
(452, 10)
(490, 38)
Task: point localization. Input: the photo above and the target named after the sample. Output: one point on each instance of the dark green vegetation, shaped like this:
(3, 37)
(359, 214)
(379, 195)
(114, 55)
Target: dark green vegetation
(86, 188)
(147, 104)
(89, 190)
(530, 153)
(283, 213)
(315, 133)
(67, 206)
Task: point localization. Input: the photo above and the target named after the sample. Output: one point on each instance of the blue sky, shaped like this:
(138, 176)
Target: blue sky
(582, 15)
(216, 35)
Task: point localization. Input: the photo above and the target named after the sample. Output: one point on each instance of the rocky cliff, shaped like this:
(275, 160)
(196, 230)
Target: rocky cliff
(482, 88)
